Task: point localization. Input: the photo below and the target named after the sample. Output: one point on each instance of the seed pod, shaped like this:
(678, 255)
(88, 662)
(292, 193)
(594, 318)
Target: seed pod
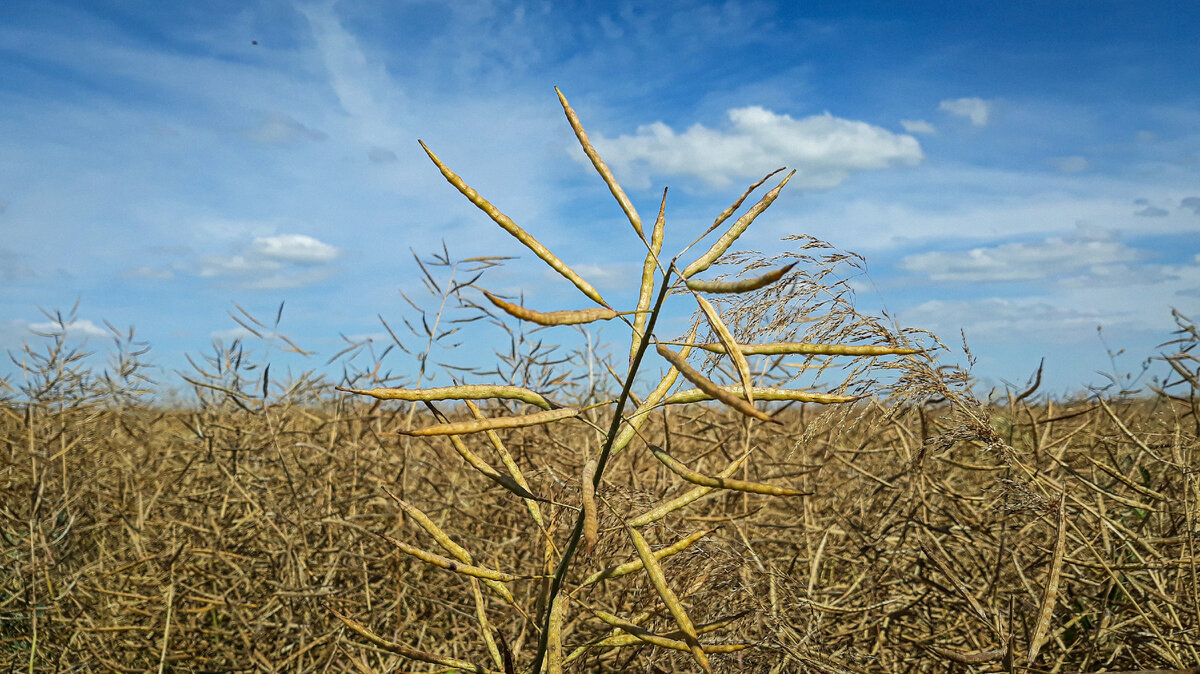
(762, 393)
(576, 317)
(463, 392)
(591, 523)
(741, 285)
(601, 167)
(711, 388)
(720, 482)
(731, 347)
(722, 244)
(480, 425)
(511, 227)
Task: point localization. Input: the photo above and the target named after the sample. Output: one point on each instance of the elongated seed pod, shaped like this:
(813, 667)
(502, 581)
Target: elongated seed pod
(649, 266)
(577, 317)
(591, 521)
(659, 580)
(695, 395)
(741, 285)
(511, 227)
(739, 226)
(481, 425)
(1050, 591)
(601, 167)
(806, 348)
(731, 347)
(682, 501)
(406, 651)
(967, 657)
(450, 564)
(720, 482)
(737, 204)
(457, 551)
(662, 553)
(554, 656)
(635, 634)
(463, 392)
(712, 388)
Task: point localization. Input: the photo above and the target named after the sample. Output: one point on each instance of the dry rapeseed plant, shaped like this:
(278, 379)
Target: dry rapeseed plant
(558, 594)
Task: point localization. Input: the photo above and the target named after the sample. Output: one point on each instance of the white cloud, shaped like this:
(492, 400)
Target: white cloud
(975, 109)
(274, 262)
(1073, 164)
(280, 129)
(143, 271)
(80, 327)
(296, 248)
(1004, 319)
(823, 149)
(1054, 256)
(917, 126)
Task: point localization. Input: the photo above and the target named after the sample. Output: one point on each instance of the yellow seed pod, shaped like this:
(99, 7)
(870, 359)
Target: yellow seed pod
(720, 482)
(696, 395)
(463, 392)
(739, 226)
(712, 388)
(577, 317)
(481, 425)
(741, 285)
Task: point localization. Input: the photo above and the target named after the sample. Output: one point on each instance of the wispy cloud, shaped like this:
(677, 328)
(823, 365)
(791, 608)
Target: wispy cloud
(1050, 257)
(280, 129)
(823, 149)
(78, 329)
(975, 109)
(1073, 164)
(917, 126)
(274, 262)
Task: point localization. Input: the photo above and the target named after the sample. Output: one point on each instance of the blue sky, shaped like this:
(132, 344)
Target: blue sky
(1024, 172)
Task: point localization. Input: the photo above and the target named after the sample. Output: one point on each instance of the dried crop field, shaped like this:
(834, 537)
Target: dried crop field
(828, 496)
(219, 539)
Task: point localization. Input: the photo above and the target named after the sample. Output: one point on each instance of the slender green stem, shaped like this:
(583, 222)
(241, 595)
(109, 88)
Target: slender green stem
(564, 564)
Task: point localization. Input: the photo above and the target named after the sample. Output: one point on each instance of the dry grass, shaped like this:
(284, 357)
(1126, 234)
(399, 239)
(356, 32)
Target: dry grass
(294, 525)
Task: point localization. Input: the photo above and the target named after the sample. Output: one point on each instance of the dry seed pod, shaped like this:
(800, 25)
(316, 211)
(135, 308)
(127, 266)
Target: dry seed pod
(712, 388)
(460, 553)
(659, 579)
(696, 395)
(481, 425)
(402, 650)
(450, 564)
(601, 167)
(1050, 591)
(739, 226)
(577, 317)
(591, 522)
(635, 634)
(739, 286)
(512, 228)
(646, 290)
(720, 482)
(805, 348)
(463, 392)
(662, 553)
(737, 204)
(663, 509)
(731, 347)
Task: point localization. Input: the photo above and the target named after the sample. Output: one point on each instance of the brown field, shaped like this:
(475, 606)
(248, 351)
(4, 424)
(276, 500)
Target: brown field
(218, 539)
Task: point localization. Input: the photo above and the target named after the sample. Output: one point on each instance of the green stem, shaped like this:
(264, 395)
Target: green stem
(564, 564)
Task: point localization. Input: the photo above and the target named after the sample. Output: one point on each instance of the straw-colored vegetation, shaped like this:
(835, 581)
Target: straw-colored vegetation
(788, 486)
